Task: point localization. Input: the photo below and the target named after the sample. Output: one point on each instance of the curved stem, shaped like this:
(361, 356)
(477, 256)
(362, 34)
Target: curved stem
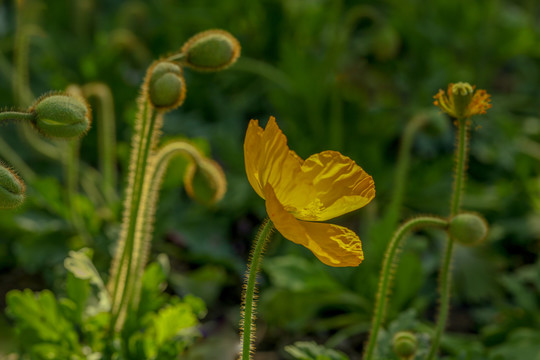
(106, 135)
(176, 57)
(385, 279)
(445, 275)
(247, 324)
(157, 165)
(16, 116)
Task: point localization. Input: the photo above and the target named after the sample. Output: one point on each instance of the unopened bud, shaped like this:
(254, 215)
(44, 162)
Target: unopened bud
(404, 344)
(462, 93)
(166, 86)
(468, 229)
(11, 189)
(211, 50)
(205, 181)
(61, 116)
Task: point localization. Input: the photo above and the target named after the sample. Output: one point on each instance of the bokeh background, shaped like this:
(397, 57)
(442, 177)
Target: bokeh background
(341, 75)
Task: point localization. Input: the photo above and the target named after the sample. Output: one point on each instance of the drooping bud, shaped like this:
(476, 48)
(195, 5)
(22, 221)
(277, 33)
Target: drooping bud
(12, 189)
(205, 181)
(211, 50)
(61, 116)
(404, 344)
(468, 229)
(166, 86)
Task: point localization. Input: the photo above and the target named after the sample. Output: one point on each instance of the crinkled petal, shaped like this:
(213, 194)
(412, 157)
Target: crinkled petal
(339, 186)
(333, 245)
(269, 160)
(252, 154)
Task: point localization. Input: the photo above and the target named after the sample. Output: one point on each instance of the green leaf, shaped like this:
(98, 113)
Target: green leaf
(81, 266)
(168, 332)
(303, 350)
(153, 285)
(38, 319)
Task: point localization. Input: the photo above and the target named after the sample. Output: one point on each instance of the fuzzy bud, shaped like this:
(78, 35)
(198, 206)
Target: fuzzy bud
(205, 181)
(11, 189)
(404, 344)
(166, 86)
(468, 229)
(61, 116)
(462, 93)
(211, 50)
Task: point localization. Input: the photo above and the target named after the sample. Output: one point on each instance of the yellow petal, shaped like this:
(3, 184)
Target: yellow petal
(269, 160)
(339, 186)
(333, 245)
(252, 153)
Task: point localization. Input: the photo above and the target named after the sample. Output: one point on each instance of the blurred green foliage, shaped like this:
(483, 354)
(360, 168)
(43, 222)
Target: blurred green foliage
(341, 75)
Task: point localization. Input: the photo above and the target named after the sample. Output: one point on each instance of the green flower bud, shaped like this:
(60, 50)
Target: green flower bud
(166, 86)
(468, 229)
(61, 116)
(462, 93)
(404, 344)
(11, 189)
(211, 50)
(205, 181)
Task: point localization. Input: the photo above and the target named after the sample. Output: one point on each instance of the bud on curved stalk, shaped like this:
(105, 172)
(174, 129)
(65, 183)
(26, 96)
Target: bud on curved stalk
(12, 189)
(404, 344)
(211, 50)
(61, 116)
(205, 181)
(166, 86)
(468, 229)
(163, 89)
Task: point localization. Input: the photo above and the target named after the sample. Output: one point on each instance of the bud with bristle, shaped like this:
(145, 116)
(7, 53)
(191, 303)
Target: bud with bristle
(211, 50)
(404, 344)
(61, 116)
(468, 229)
(12, 189)
(166, 86)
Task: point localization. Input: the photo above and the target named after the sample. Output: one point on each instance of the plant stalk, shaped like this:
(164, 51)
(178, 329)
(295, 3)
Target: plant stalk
(445, 275)
(123, 271)
(247, 324)
(390, 262)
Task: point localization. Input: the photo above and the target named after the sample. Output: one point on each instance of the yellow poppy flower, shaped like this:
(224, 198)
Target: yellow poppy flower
(462, 101)
(298, 192)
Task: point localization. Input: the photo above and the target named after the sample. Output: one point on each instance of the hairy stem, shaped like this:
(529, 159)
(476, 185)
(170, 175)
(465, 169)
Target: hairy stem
(247, 325)
(445, 274)
(22, 92)
(156, 169)
(123, 270)
(16, 116)
(385, 279)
